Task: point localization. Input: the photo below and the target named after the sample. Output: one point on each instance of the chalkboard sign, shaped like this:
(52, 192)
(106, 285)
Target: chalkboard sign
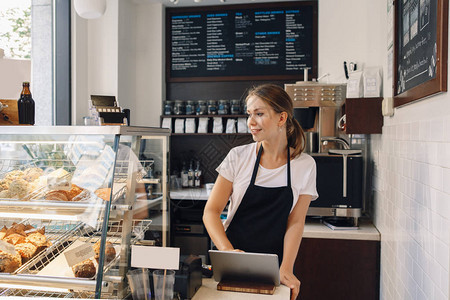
(267, 41)
(420, 49)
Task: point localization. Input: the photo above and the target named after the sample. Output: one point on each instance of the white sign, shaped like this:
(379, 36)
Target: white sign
(155, 257)
(79, 254)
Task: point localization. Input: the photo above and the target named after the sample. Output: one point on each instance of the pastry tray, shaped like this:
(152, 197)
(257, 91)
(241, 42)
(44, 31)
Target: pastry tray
(28, 274)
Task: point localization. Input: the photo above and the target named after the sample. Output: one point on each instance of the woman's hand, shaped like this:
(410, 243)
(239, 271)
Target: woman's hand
(289, 280)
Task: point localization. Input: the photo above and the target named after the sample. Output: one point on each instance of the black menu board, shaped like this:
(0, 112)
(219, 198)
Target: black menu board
(417, 43)
(242, 42)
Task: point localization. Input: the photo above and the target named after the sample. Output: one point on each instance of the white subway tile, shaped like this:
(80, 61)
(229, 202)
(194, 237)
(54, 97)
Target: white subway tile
(437, 130)
(441, 254)
(446, 129)
(446, 179)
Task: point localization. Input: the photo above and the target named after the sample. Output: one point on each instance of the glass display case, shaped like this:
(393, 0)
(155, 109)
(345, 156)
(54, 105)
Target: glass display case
(72, 201)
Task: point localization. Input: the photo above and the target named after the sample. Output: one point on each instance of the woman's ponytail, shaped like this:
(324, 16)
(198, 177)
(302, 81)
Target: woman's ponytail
(295, 136)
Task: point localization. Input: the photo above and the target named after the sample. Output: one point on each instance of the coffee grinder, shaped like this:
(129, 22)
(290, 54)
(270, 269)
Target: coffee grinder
(317, 107)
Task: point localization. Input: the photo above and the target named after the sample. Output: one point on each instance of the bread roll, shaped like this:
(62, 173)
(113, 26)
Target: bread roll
(56, 195)
(110, 252)
(84, 269)
(26, 251)
(9, 262)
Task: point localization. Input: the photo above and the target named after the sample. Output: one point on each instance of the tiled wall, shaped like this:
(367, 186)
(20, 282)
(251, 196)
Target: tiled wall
(412, 205)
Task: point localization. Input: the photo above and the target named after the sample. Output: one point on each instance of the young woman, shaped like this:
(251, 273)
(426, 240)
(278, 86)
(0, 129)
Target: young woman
(270, 184)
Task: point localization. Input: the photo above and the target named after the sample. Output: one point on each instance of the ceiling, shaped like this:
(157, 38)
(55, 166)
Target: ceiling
(184, 3)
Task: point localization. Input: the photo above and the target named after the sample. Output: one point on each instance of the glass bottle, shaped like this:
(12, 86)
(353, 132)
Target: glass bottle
(184, 176)
(197, 174)
(191, 175)
(26, 105)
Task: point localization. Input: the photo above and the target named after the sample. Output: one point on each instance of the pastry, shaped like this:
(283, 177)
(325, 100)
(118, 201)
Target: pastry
(74, 192)
(26, 251)
(32, 174)
(110, 252)
(14, 239)
(57, 195)
(104, 193)
(39, 240)
(18, 188)
(5, 194)
(84, 269)
(9, 262)
(3, 232)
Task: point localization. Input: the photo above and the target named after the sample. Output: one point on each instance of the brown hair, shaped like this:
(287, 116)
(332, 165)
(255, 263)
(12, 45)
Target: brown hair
(280, 101)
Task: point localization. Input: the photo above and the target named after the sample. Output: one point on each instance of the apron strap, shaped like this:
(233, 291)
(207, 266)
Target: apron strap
(258, 158)
(255, 168)
(288, 167)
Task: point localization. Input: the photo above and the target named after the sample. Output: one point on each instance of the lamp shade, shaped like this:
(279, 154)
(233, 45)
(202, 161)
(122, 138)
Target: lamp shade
(90, 9)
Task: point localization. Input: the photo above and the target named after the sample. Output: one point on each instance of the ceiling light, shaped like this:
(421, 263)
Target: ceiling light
(197, 1)
(90, 9)
(223, 1)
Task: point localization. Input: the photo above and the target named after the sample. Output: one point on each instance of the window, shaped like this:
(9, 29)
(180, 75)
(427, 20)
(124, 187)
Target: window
(37, 49)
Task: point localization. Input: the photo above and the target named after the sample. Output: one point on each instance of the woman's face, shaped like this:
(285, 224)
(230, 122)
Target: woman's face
(262, 119)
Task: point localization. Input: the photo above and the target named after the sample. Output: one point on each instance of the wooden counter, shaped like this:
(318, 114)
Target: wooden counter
(209, 291)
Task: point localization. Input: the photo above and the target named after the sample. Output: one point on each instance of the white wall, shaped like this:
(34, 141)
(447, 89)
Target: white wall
(111, 60)
(411, 157)
(352, 31)
(412, 198)
(13, 73)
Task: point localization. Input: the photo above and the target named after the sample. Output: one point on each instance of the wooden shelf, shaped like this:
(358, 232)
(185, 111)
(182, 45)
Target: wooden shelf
(203, 116)
(363, 115)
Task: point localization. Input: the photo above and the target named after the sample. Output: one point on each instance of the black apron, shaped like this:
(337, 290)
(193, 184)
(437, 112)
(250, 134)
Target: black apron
(260, 221)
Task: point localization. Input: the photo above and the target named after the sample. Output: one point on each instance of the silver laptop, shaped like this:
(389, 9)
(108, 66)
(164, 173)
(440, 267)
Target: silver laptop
(260, 267)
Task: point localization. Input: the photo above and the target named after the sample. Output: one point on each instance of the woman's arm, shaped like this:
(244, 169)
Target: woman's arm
(213, 209)
(292, 239)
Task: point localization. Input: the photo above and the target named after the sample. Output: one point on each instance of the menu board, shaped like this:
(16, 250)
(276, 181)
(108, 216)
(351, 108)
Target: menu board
(417, 48)
(242, 42)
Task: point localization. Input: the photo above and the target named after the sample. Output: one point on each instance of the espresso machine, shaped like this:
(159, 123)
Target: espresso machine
(318, 107)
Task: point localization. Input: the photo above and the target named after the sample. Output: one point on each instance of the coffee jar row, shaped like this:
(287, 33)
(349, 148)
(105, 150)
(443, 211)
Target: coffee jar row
(204, 107)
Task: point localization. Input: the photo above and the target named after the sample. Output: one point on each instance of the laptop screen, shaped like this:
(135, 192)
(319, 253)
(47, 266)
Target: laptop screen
(247, 266)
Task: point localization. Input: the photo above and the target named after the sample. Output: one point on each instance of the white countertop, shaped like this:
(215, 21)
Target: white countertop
(366, 231)
(189, 194)
(209, 291)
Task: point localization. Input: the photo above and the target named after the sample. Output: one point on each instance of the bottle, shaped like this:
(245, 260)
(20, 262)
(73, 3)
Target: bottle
(26, 105)
(197, 174)
(184, 176)
(191, 175)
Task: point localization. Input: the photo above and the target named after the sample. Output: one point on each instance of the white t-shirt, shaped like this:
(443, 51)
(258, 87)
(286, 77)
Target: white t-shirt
(237, 167)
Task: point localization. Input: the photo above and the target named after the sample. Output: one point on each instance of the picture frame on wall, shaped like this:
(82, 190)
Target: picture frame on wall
(420, 49)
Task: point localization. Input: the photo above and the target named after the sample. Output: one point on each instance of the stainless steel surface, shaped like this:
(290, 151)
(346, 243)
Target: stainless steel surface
(341, 141)
(344, 154)
(334, 212)
(312, 142)
(49, 281)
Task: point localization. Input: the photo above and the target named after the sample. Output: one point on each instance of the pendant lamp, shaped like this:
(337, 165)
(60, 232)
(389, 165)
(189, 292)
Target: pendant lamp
(90, 9)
